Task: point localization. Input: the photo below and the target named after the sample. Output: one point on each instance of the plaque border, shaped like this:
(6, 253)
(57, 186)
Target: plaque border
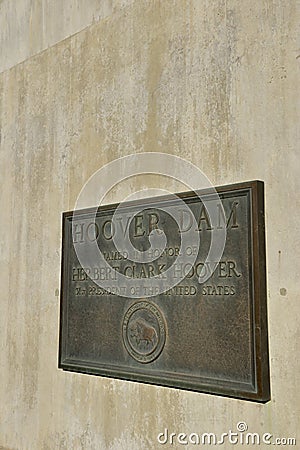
(259, 389)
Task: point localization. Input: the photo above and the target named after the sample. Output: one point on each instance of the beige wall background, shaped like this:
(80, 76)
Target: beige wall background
(215, 82)
(28, 27)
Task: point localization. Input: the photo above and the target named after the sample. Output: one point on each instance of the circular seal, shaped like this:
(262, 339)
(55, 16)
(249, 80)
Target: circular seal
(144, 331)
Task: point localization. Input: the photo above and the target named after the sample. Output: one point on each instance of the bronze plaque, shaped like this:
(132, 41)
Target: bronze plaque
(170, 291)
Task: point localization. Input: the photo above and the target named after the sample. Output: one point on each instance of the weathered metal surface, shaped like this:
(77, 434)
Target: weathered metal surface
(161, 325)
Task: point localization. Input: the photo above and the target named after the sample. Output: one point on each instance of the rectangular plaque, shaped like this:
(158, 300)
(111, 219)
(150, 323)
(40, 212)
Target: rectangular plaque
(170, 291)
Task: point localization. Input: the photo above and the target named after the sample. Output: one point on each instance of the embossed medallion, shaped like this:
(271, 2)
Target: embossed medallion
(144, 331)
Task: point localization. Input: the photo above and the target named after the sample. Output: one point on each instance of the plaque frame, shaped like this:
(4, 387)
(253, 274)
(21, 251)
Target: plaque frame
(259, 391)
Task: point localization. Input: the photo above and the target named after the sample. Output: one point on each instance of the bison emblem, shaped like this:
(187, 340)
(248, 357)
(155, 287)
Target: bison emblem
(143, 333)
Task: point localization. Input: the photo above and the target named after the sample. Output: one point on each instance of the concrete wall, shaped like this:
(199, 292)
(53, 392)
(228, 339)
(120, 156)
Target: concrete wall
(28, 27)
(215, 82)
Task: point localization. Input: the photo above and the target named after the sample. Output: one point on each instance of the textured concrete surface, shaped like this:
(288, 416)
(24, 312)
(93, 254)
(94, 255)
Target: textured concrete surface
(215, 82)
(28, 27)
